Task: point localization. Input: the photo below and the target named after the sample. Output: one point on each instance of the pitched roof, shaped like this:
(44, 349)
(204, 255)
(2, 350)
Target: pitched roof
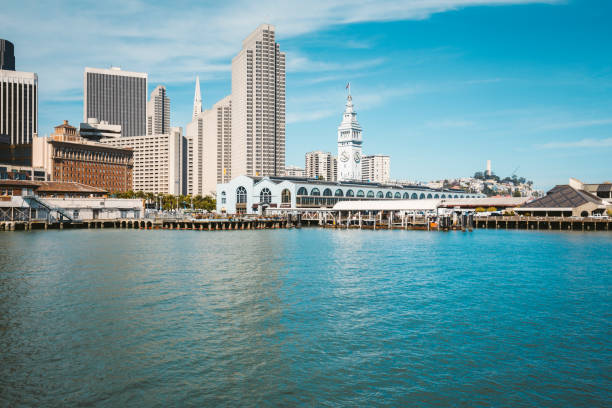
(19, 183)
(563, 196)
(67, 187)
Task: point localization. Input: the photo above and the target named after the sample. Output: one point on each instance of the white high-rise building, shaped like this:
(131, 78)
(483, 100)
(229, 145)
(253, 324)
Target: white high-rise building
(321, 165)
(117, 97)
(158, 161)
(158, 112)
(209, 148)
(376, 168)
(18, 107)
(258, 106)
(488, 168)
(349, 144)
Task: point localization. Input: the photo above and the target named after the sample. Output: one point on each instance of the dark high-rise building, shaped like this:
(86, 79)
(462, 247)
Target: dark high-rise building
(18, 116)
(117, 97)
(7, 55)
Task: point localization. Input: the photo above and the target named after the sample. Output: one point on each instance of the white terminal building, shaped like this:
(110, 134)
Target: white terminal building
(252, 195)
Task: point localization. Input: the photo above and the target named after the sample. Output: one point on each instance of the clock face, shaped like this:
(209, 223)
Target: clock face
(344, 156)
(357, 157)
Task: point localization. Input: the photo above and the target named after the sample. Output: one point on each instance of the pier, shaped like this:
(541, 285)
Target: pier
(168, 224)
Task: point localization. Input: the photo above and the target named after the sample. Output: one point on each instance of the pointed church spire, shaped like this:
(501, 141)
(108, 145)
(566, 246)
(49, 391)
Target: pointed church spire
(197, 99)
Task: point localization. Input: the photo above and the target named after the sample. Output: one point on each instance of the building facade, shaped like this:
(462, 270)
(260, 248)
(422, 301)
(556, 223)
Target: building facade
(7, 55)
(157, 161)
(250, 195)
(209, 141)
(96, 130)
(321, 165)
(158, 112)
(258, 106)
(18, 116)
(117, 97)
(67, 157)
(349, 145)
(294, 171)
(376, 168)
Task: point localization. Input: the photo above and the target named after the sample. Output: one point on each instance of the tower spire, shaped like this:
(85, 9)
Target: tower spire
(197, 99)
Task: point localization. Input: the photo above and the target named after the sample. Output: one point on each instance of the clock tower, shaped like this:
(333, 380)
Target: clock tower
(349, 144)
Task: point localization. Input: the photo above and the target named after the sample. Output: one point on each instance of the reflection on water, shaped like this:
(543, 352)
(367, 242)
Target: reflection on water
(304, 317)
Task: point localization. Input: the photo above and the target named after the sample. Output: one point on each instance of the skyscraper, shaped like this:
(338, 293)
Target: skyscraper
(258, 106)
(18, 109)
(158, 112)
(349, 144)
(118, 97)
(209, 138)
(197, 100)
(7, 55)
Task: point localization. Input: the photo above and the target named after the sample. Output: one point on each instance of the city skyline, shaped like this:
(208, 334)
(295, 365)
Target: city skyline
(525, 84)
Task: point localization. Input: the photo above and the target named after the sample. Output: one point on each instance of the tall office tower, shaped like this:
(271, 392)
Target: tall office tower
(117, 97)
(7, 55)
(349, 144)
(258, 106)
(197, 100)
(158, 112)
(18, 116)
(376, 168)
(157, 160)
(321, 165)
(209, 140)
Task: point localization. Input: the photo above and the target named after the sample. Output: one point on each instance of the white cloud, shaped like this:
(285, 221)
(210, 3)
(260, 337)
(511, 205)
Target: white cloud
(175, 42)
(584, 143)
(450, 124)
(577, 124)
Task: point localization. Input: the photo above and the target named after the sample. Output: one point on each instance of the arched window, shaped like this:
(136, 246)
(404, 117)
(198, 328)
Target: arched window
(286, 196)
(360, 193)
(241, 195)
(265, 196)
(443, 196)
(436, 196)
(338, 193)
(429, 195)
(422, 196)
(370, 194)
(315, 192)
(389, 195)
(397, 195)
(349, 193)
(302, 191)
(405, 196)
(327, 192)
(414, 196)
(223, 199)
(380, 194)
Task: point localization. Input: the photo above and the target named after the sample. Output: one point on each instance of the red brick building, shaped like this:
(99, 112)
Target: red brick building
(67, 157)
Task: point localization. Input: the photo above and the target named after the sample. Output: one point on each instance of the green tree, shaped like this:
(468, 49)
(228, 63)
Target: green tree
(516, 193)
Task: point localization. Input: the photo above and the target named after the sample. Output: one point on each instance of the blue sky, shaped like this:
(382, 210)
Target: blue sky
(440, 85)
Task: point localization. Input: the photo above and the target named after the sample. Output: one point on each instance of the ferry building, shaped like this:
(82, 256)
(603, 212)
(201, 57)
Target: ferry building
(252, 195)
